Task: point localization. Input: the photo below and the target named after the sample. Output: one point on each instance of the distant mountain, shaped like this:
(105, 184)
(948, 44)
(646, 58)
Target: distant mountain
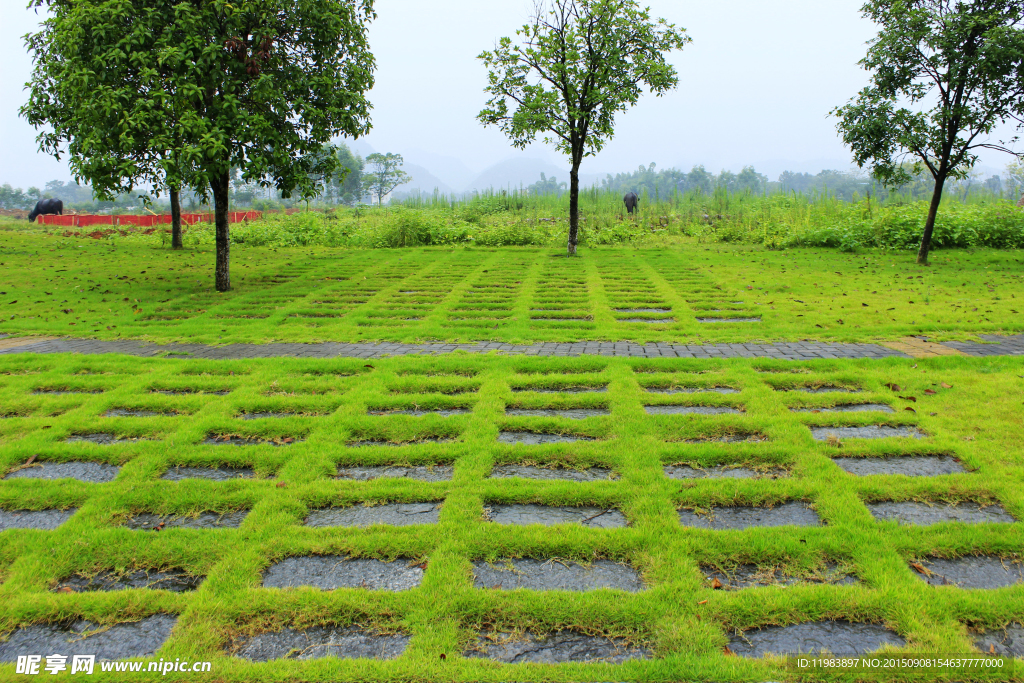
(422, 180)
(516, 173)
(449, 170)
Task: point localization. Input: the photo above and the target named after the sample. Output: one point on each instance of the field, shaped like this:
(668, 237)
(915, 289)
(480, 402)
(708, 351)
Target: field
(472, 517)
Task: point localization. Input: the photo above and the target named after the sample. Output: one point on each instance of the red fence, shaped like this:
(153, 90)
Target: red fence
(85, 220)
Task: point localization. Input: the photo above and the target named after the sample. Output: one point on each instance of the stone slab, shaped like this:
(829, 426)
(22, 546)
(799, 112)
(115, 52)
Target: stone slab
(101, 438)
(328, 572)
(562, 474)
(211, 473)
(319, 642)
(175, 580)
(538, 439)
(147, 521)
(430, 473)
(92, 472)
(692, 390)
(366, 443)
(907, 465)
(867, 432)
(691, 410)
(234, 440)
(970, 572)
(754, 576)
(721, 472)
(568, 414)
(555, 574)
(728, 320)
(744, 517)
(562, 390)
(849, 408)
(131, 412)
(1008, 642)
(128, 639)
(821, 390)
(263, 416)
(34, 519)
(557, 648)
(393, 514)
(549, 515)
(834, 637)
(440, 412)
(921, 514)
(730, 438)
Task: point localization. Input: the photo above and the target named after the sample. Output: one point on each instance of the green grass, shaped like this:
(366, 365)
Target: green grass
(132, 288)
(680, 617)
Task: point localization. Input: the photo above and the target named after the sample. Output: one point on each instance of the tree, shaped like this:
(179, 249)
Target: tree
(945, 73)
(261, 85)
(346, 186)
(382, 174)
(581, 63)
(546, 186)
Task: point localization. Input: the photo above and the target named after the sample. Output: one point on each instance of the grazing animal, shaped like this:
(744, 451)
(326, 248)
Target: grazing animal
(46, 206)
(631, 201)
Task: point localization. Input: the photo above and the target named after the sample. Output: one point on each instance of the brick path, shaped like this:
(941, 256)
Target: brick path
(1006, 346)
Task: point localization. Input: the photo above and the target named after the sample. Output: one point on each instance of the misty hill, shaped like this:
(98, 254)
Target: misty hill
(422, 180)
(514, 173)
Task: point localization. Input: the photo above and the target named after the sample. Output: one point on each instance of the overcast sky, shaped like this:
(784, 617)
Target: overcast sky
(755, 87)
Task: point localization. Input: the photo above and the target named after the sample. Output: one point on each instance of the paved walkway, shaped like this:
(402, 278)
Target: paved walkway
(1006, 346)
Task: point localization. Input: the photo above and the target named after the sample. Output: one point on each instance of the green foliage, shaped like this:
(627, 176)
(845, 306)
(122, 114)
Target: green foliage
(383, 173)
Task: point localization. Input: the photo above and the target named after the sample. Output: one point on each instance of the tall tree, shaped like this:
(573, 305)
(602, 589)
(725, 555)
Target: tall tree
(945, 74)
(383, 173)
(580, 63)
(261, 85)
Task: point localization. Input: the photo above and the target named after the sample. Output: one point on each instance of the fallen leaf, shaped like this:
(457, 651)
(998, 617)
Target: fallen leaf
(910, 409)
(66, 589)
(728, 653)
(930, 392)
(909, 398)
(991, 649)
(798, 301)
(716, 584)
(933, 414)
(281, 484)
(30, 460)
(969, 438)
(893, 387)
(444, 656)
(946, 386)
(921, 569)
(703, 602)
(863, 304)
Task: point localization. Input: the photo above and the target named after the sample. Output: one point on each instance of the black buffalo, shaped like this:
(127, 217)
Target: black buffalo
(632, 201)
(46, 206)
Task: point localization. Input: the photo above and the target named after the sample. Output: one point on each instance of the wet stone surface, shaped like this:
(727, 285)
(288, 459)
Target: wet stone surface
(261, 416)
(555, 574)
(728, 320)
(189, 392)
(647, 321)
(556, 648)
(753, 576)
(920, 514)
(1006, 642)
(131, 639)
(232, 440)
(94, 472)
(394, 514)
(101, 438)
(692, 390)
(34, 519)
(910, 466)
(365, 443)
(970, 572)
(328, 572)
(821, 390)
(441, 412)
(317, 642)
(212, 473)
(131, 412)
(548, 515)
(849, 408)
(742, 517)
(868, 432)
(563, 474)
(147, 521)
(644, 310)
(569, 414)
(65, 391)
(563, 390)
(690, 410)
(418, 472)
(835, 637)
(730, 438)
(537, 439)
(721, 472)
(175, 580)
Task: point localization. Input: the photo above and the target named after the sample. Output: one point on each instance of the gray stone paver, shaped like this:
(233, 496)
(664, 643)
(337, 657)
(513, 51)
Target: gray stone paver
(785, 351)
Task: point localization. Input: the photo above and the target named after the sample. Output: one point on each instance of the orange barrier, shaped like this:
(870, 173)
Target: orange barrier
(148, 220)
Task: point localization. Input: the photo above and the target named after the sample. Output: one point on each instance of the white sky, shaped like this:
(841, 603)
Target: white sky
(755, 87)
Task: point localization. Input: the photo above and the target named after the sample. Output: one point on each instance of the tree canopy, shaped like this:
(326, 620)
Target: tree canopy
(945, 74)
(201, 88)
(382, 173)
(580, 63)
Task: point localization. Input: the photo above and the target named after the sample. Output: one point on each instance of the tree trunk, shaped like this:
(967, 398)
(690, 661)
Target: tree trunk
(574, 209)
(929, 225)
(175, 217)
(222, 275)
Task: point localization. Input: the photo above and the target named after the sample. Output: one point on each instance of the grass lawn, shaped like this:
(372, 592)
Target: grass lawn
(967, 409)
(682, 292)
